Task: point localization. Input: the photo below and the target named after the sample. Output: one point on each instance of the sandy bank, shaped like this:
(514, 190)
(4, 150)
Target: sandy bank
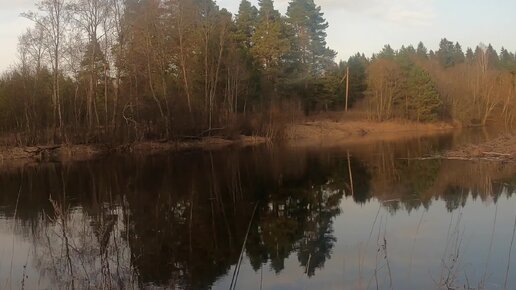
(330, 133)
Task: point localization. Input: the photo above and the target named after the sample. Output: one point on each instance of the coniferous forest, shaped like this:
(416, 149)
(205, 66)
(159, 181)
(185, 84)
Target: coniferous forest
(118, 71)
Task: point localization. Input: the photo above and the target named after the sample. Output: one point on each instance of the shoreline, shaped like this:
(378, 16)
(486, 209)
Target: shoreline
(330, 133)
(82, 152)
(314, 133)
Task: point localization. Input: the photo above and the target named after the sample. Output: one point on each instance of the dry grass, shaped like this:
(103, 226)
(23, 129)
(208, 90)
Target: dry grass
(330, 132)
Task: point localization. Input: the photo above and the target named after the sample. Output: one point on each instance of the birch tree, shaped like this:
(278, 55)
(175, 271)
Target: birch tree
(53, 18)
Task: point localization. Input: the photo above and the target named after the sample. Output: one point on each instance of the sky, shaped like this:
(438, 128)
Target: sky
(355, 25)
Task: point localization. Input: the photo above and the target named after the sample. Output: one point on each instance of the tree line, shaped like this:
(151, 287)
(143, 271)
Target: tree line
(471, 87)
(128, 70)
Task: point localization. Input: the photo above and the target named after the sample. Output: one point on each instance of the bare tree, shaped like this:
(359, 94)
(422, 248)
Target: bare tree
(32, 51)
(73, 55)
(184, 22)
(91, 16)
(117, 9)
(53, 18)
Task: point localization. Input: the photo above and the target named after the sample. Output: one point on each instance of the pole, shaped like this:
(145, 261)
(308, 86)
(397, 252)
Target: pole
(347, 87)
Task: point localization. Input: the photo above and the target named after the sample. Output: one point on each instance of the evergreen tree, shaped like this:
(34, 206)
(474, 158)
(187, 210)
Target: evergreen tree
(470, 56)
(244, 29)
(507, 60)
(424, 102)
(422, 51)
(245, 22)
(458, 54)
(270, 40)
(309, 27)
(480, 50)
(445, 53)
(449, 54)
(358, 77)
(492, 57)
(407, 51)
(97, 65)
(310, 60)
(387, 52)
(405, 58)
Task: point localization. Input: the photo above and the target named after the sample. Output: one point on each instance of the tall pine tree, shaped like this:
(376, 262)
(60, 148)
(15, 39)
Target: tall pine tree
(309, 27)
(270, 46)
(270, 41)
(245, 22)
(422, 51)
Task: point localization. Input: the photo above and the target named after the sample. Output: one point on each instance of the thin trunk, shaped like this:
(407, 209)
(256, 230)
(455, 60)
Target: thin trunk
(182, 59)
(213, 90)
(153, 92)
(106, 109)
(115, 100)
(206, 83)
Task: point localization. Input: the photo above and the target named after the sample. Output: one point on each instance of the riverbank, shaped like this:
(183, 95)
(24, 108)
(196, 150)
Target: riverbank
(313, 133)
(333, 133)
(80, 152)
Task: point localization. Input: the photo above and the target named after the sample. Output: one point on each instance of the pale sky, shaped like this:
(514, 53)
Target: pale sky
(356, 25)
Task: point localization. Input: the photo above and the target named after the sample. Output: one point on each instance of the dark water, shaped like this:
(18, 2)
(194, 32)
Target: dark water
(359, 217)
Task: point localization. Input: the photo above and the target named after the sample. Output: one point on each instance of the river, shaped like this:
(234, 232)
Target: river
(368, 216)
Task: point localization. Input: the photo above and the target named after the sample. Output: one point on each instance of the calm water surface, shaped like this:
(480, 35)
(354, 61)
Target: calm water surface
(356, 217)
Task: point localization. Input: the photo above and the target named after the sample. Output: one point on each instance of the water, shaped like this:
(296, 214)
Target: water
(357, 217)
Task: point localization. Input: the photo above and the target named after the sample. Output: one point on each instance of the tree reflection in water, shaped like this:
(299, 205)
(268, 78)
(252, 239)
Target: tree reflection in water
(180, 220)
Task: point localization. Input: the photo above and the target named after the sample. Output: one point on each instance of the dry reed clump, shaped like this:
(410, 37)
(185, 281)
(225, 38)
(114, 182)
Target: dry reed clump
(273, 124)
